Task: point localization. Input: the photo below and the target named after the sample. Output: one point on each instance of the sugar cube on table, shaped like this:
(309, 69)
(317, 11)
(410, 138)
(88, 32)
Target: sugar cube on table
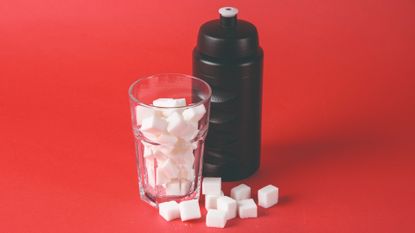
(241, 192)
(211, 185)
(173, 188)
(189, 210)
(268, 196)
(211, 200)
(194, 114)
(169, 210)
(216, 218)
(228, 205)
(247, 208)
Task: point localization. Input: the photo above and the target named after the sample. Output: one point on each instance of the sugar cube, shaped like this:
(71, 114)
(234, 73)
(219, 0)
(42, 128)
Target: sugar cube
(166, 139)
(169, 169)
(216, 218)
(142, 112)
(211, 200)
(241, 192)
(187, 173)
(168, 102)
(169, 210)
(190, 131)
(185, 187)
(173, 188)
(153, 125)
(268, 196)
(247, 208)
(176, 124)
(161, 178)
(189, 210)
(211, 185)
(194, 114)
(228, 205)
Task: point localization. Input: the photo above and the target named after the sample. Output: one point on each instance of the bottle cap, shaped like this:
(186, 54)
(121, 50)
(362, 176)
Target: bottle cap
(228, 37)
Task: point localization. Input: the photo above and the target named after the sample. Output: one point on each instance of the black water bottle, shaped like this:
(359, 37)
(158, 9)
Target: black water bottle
(229, 58)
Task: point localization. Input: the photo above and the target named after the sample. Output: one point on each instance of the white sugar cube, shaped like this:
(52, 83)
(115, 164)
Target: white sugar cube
(161, 178)
(142, 112)
(247, 208)
(149, 167)
(189, 210)
(166, 139)
(211, 200)
(187, 158)
(187, 173)
(153, 125)
(241, 192)
(190, 132)
(173, 188)
(152, 136)
(268, 196)
(180, 102)
(151, 179)
(194, 114)
(169, 102)
(185, 187)
(211, 185)
(228, 205)
(195, 145)
(176, 124)
(165, 148)
(169, 169)
(147, 150)
(216, 218)
(169, 210)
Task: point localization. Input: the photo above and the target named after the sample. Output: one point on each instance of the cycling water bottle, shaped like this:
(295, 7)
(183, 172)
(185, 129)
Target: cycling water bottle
(229, 58)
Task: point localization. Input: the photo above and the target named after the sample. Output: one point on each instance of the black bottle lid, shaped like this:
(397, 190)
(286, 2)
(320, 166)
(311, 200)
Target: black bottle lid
(228, 37)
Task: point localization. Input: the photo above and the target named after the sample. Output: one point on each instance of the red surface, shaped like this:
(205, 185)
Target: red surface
(338, 119)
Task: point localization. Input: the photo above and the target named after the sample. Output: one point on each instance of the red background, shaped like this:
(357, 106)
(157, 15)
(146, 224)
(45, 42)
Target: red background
(338, 112)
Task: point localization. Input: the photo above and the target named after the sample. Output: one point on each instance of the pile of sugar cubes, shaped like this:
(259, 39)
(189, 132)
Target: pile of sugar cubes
(221, 208)
(168, 153)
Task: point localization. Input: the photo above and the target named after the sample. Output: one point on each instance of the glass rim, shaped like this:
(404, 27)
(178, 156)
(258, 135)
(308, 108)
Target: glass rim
(136, 82)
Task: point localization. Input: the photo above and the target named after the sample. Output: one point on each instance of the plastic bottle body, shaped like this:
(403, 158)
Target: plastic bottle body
(232, 148)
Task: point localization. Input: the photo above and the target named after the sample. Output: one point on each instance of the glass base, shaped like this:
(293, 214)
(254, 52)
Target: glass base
(155, 201)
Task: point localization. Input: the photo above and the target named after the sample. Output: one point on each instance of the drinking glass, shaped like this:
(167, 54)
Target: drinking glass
(170, 119)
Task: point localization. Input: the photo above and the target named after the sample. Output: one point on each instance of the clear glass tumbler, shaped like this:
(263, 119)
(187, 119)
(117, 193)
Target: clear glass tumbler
(170, 118)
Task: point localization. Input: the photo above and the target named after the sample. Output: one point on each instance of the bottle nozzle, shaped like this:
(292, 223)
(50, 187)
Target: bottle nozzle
(228, 16)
